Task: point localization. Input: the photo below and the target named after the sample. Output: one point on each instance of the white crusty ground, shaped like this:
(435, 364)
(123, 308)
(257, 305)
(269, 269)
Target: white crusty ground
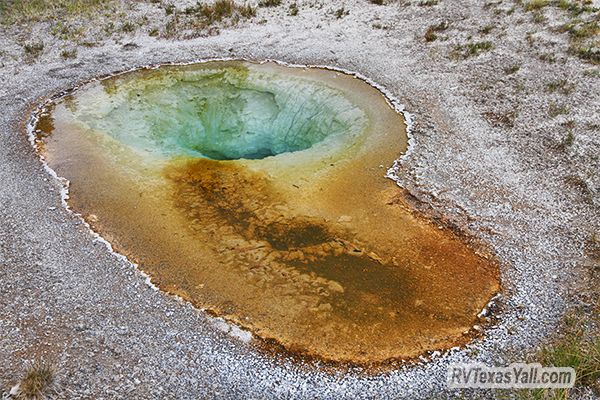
(66, 298)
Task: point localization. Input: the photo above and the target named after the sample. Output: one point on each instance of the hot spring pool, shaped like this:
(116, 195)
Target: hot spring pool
(257, 192)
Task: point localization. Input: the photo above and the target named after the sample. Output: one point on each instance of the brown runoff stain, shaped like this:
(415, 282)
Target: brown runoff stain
(316, 256)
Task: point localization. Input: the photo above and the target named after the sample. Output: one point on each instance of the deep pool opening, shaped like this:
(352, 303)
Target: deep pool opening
(223, 114)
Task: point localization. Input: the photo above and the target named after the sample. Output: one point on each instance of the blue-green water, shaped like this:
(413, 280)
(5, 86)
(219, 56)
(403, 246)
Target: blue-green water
(223, 114)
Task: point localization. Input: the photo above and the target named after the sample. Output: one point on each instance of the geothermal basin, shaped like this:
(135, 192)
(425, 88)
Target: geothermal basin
(258, 192)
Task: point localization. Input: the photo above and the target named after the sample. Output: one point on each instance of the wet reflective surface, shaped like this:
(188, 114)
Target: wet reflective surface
(258, 193)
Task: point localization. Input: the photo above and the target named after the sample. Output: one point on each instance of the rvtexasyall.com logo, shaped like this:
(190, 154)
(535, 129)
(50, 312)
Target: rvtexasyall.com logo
(514, 376)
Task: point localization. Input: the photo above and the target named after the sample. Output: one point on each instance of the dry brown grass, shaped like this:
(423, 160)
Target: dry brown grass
(37, 383)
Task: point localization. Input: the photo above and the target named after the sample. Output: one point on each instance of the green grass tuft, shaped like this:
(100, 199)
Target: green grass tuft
(269, 3)
(67, 54)
(554, 110)
(536, 4)
(471, 49)
(33, 50)
(562, 86)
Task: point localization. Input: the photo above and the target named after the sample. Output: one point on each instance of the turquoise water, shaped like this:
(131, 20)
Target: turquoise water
(223, 114)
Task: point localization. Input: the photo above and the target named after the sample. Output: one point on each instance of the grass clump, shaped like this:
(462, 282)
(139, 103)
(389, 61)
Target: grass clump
(513, 69)
(554, 110)
(128, 27)
(479, 47)
(536, 5)
(222, 9)
(430, 34)
(169, 9)
(538, 17)
(547, 57)
(501, 120)
(471, 49)
(66, 31)
(589, 53)
(341, 13)
(37, 383)
(33, 50)
(68, 54)
(484, 30)
(269, 3)
(562, 86)
(293, 10)
(568, 140)
(577, 182)
(581, 30)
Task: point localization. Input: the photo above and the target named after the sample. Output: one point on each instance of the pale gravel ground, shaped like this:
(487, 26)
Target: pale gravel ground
(65, 297)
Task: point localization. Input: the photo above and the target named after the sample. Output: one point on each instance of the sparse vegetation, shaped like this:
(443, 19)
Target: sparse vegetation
(554, 110)
(222, 9)
(538, 17)
(580, 184)
(66, 54)
(12, 11)
(33, 50)
(269, 3)
(576, 7)
(169, 9)
(589, 53)
(341, 12)
(502, 120)
(378, 25)
(471, 49)
(428, 2)
(65, 31)
(430, 34)
(72, 16)
(513, 69)
(583, 29)
(568, 141)
(562, 86)
(536, 4)
(484, 30)
(37, 383)
(203, 18)
(128, 27)
(578, 347)
(547, 57)
(293, 10)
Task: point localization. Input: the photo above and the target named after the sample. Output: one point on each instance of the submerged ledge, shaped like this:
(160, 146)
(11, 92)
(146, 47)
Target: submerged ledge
(312, 248)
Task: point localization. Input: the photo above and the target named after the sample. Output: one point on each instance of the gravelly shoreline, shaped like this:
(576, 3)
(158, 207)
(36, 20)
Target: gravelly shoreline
(66, 298)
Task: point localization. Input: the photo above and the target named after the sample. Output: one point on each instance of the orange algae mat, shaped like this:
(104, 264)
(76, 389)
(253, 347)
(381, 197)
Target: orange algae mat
(257, 192)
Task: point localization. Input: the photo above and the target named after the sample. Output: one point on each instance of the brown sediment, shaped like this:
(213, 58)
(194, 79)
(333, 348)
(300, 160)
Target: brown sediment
(315, 255)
